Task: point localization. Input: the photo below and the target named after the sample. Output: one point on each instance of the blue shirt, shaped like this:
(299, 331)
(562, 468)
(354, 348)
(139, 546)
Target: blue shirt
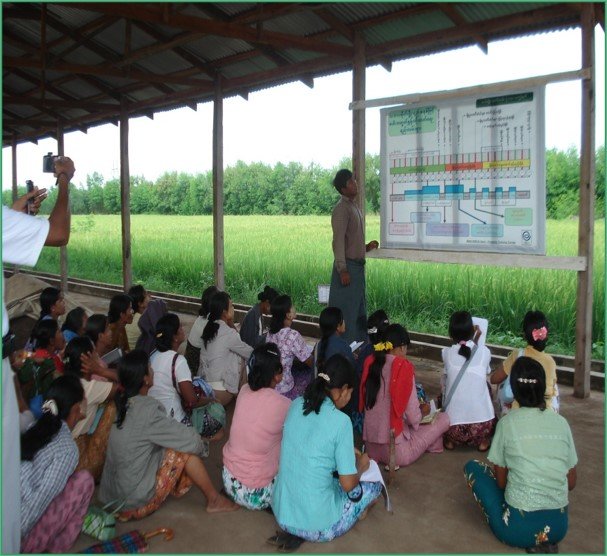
(306, 495)
(335, 344)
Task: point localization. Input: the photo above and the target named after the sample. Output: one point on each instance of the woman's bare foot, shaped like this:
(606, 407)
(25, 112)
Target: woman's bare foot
(221, 504)
(448, 444)
(484, 446)
(366, 511)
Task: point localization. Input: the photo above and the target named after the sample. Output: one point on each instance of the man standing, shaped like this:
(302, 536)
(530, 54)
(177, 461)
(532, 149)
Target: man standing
(23, 237)
(348, 278)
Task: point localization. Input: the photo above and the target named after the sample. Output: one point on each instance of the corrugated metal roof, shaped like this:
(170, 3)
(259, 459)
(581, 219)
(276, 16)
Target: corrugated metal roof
(169, 54)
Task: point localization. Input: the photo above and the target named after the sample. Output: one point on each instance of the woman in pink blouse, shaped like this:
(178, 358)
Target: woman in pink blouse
(292, 347)
(250, 457)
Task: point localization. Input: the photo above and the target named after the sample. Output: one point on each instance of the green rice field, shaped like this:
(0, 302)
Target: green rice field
(293, 254)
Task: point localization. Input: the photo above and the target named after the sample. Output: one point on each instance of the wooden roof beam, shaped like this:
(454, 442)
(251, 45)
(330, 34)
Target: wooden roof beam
(102, 51)
(494, 25)
(151, 14)
(336, 24)
(450, 10)
(177, 78)
(108, 22)
(261, 12)
(99, 23)
(50, 103)
(196, 61)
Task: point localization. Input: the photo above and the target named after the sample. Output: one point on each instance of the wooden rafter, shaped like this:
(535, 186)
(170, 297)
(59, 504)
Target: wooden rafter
(152, 14)
(450, 10)
(531, 18)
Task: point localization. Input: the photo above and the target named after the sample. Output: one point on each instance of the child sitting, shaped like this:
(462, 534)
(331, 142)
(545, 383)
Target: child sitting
(467, 401)
(332, 326)
(535, 331)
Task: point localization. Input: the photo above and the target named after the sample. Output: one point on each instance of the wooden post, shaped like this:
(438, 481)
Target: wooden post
(218, 251)
(583, 322)
(63, 249)
(358, 119)
(14, 165)
(125, 197)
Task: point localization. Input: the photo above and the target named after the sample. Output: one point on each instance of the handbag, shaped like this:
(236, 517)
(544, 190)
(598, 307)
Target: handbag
(100, 523)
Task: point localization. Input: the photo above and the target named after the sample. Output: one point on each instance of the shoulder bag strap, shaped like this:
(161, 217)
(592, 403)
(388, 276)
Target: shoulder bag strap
(173, 374)
(458, 378)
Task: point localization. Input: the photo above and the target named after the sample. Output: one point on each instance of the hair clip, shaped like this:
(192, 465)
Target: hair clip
(383, 346)
(539, 333)
(527, 380)
(274, 353)
(50, 406)
(325, 377)
(463, 343)
(159, 335)
(372, 330)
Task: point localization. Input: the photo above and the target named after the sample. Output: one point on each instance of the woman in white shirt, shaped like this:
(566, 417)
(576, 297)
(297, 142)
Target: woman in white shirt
(172, 375)
(469, 404)
(223, 353)
(194, 343)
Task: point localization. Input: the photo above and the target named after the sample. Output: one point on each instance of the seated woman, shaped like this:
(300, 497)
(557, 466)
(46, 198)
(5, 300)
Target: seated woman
(251, 328)
(54, 497)
(223, 354)
(139, 302)
(250, 456)
(194, 343)
(52, 306)
(45, 363)
(467, 401)
(119, 315)
(150, 455)
(75, 323)
(392, 410)
(318, 494)
(98, 330)
(173, 386)
(376, 327)
(535, 332)
(291, 346)
(332, 326)
(524, 498)
(92, 445)
(155, 310)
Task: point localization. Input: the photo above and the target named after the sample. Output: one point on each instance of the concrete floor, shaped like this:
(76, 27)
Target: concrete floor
(434, 512)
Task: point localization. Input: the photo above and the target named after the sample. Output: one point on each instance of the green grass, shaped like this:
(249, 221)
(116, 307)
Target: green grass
(293, 254)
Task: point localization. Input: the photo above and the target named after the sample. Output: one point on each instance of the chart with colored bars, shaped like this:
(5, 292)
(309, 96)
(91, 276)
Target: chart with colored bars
(468, 174)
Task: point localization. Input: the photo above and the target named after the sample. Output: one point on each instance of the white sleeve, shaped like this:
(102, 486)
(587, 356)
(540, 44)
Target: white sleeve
(182, 370)
(23, 237)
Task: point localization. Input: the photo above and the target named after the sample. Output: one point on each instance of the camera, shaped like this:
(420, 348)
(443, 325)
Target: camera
(48, 163)
(29, 187)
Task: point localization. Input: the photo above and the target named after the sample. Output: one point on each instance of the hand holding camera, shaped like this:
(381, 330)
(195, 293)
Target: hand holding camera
(59, 166)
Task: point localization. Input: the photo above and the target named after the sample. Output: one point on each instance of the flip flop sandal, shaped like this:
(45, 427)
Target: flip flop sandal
(291, 544)
(387, 467)
(278, 539)
(484, 449)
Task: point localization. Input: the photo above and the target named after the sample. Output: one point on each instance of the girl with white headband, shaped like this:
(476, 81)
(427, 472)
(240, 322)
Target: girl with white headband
(535, 332)
(54, 499)
(524, 495)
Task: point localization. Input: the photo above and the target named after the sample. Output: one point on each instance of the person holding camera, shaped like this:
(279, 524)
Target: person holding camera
(23, 237)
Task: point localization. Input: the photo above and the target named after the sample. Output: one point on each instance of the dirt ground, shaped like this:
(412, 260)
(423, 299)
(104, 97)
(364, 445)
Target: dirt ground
(434, 512)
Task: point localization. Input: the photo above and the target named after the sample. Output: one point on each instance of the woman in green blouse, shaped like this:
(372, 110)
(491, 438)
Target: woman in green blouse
(525, 495)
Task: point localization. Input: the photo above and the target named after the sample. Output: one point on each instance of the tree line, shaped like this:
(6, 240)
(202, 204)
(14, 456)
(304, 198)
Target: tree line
(292, 188)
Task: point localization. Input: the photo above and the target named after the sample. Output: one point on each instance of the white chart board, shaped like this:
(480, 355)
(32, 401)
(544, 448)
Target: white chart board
(465, 174)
